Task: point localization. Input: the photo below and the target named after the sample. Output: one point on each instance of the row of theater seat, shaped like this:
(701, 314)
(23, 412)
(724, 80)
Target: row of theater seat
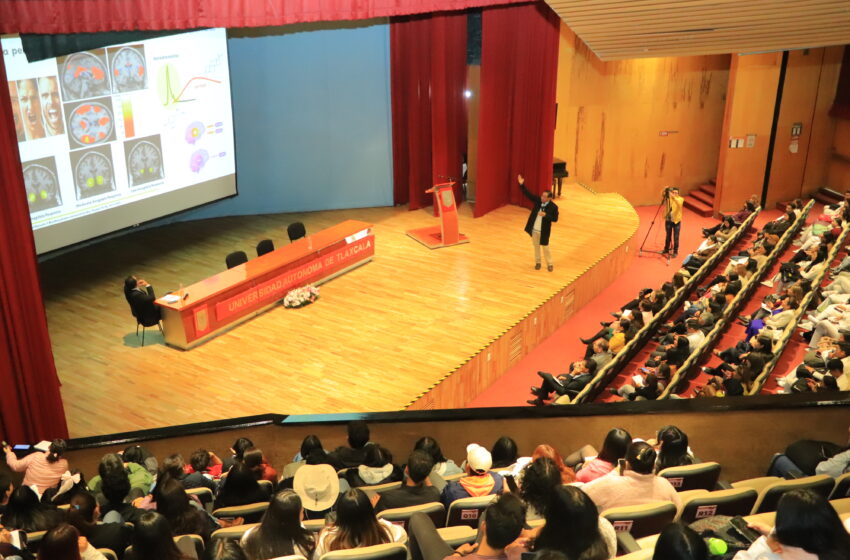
(608, 373)
(679, 379)
(782, 341)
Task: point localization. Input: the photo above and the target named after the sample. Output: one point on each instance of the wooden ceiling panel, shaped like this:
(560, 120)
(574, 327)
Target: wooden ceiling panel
(617, 29)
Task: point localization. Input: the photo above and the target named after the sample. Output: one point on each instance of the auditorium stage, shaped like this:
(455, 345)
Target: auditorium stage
(379, 338)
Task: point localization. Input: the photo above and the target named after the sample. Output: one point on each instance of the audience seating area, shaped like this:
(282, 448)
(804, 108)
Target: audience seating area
(700, 487)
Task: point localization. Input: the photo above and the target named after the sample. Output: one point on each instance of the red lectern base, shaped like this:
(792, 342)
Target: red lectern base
(432, 237)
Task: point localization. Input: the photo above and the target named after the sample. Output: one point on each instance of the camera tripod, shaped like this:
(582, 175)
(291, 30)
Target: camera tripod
(641, 251)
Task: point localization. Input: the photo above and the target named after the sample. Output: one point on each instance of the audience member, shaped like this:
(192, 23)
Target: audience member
(807, 528)
(65, 543)
(539, 480)
(256, 461)
(280, 532)
(579, 376)
(479, 481)
(84, 514)
(309, 444)
(201, 471)
(24, 512)
(241, 445)
(226, 549)
(634, 483)
(377, 468)
(812, 457)
(504, 453)
(141, 456)
(673, 450)
(152, 538)
(356, 526)
(614, 448)
(573, 527)
(417, 488)
(115, 492)
(500, 526)
(184, 516)
(41, 469)
(6, 488)
(442, 466)
(354, 454)
(318, 487)
(679, 542)
(139, 479)
(239, 487)
(567, 474)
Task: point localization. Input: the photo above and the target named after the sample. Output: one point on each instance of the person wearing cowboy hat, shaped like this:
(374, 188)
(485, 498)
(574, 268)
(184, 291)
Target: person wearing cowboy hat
(479, 481)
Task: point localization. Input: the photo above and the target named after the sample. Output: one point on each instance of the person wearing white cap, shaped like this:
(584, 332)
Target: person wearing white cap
(318, 488)
(479, 481)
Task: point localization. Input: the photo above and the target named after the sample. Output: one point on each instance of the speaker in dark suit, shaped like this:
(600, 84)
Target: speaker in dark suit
(140, 296)
(540, 220)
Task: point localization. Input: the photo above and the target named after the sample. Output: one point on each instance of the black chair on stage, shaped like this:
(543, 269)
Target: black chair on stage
(265, 246)
(236, 258)
(147, 317)
(296, 230)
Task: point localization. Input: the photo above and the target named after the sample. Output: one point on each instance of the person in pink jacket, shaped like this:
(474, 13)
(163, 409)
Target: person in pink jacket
(41, 469)
(633, 483)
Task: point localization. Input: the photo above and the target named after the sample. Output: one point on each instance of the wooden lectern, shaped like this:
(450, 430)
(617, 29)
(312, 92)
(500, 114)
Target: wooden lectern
(446, 234)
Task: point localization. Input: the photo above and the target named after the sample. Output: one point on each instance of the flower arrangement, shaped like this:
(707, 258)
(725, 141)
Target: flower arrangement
(299, 297)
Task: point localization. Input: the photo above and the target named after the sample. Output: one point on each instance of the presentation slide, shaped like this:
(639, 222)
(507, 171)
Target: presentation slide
(113, 137)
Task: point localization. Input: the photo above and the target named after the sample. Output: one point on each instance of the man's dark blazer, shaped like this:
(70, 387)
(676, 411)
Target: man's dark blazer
(142, 304)
(551, 210)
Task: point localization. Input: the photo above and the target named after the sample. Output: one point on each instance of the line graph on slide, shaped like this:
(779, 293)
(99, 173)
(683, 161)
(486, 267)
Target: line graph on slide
(169, 86)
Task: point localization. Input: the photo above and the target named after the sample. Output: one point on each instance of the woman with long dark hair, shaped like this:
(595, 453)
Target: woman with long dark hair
(540, 478)
(174, 504)
(256, 461)
(280, 532)
(680, 542)
(504, 453)
(807, 528)
(26, 513)
(84, 513)
(40, 469)
(673, 448)
(574, 528)
(442, 466)
(152, 538)
(356, 526)
(613, 449)
(63, 542)
(378, 468)
(239, 487)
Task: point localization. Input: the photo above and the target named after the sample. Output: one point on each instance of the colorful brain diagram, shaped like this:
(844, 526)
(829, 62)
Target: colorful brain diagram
(84, 75)
(42, 184)
(144, 160)
(90, 122)
(93, 172)
(129, 72)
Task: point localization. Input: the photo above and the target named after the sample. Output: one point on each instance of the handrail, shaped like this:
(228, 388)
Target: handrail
(734, 306)
(758, 384)
(604, 376)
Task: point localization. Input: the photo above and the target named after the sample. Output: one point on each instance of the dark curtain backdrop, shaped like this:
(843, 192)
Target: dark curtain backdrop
(428, 76)
(841, 106)
(516, 132)
(91, 16)
(31, 408)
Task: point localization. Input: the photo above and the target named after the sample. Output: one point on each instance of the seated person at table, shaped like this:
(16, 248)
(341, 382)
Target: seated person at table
(479, 481)
(580, 374)
(417, 488)
(141, 298)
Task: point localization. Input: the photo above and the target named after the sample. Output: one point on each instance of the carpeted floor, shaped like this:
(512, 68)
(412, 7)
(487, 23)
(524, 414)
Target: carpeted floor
(647, 270)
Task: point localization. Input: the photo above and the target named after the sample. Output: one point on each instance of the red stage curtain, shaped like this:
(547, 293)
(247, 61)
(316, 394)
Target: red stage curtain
(428, 76)
(516, 133)
(31, 407)
(89, 16)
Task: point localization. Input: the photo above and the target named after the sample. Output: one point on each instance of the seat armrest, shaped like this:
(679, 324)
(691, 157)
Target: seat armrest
(626, 543)
(723, 485)
(795, 473)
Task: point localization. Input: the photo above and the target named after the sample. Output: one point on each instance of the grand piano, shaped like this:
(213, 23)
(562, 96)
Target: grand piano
(559, 171)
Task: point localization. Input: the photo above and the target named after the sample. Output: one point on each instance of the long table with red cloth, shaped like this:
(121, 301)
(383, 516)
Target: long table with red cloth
(220, 302)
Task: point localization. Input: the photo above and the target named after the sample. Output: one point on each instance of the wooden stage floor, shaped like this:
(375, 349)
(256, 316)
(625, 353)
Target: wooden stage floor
(377, 337)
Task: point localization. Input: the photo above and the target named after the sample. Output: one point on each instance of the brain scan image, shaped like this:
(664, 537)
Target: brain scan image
(42, 185)
(83, 75)
(90, 123)
(93, 174)
(128, 69)
(144, 161)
